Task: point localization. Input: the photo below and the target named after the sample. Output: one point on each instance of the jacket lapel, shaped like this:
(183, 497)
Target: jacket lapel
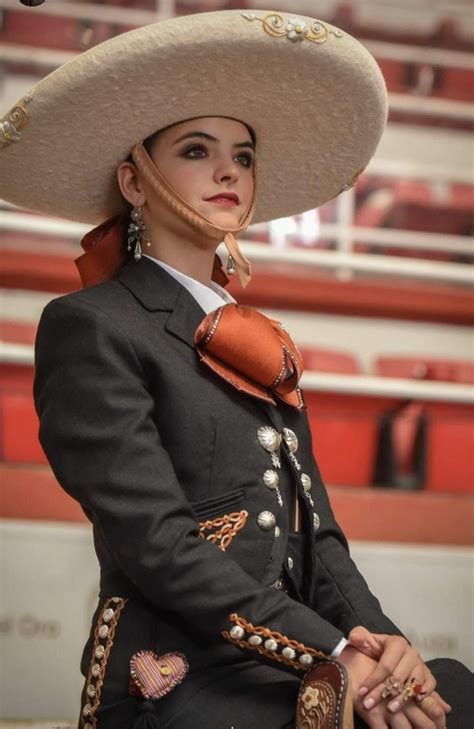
(157, 290)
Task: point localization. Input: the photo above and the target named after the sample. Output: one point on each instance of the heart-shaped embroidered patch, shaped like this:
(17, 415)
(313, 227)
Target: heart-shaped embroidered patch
(154, 675)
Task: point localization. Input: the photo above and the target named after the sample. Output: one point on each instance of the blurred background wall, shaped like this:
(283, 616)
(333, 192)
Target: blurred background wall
(375, 288)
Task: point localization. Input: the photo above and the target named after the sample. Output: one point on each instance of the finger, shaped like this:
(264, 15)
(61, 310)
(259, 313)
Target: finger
(446, 707)
(386, 666)
(399, 721)
(433, 708)
(421, 676)
(399, 701)
(363, 640)
(421, 720)
(429, 685)
(405, 669)
(374, 719)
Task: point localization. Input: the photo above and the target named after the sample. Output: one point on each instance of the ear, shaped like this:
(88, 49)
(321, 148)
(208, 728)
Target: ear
(129, 183)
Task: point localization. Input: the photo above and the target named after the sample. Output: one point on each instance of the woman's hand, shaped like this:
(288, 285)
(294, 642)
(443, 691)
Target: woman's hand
(409, 716)
(395, 657)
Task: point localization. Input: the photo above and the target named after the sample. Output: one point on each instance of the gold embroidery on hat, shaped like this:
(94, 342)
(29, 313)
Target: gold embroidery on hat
(227, 527)
(295, 28)
(12, 122)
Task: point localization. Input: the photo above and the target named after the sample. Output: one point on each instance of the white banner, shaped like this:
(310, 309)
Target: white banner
(49, 583)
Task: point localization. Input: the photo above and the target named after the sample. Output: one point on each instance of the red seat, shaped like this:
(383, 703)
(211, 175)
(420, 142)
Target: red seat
(426, 368)
(450, 431)
(344, 430)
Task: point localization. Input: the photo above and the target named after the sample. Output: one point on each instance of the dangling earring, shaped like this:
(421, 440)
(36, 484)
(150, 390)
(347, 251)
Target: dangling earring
(137, 233)
(230, 265)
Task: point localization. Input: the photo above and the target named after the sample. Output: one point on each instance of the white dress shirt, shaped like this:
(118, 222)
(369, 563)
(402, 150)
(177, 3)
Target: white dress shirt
(210, 298)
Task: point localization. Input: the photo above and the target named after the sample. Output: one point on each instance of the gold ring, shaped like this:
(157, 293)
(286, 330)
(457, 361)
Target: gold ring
(427, 701)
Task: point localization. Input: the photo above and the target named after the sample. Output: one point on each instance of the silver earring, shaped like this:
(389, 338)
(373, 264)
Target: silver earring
(137, 233)
(230, 265)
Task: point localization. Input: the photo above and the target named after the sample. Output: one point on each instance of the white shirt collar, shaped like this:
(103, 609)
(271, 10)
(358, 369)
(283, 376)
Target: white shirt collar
(208, 297)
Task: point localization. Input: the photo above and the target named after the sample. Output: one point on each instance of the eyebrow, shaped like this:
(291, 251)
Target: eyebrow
(204, 135)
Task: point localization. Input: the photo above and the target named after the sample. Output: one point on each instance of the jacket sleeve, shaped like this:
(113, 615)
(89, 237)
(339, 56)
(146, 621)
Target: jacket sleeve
(341, 593)
(99, 435)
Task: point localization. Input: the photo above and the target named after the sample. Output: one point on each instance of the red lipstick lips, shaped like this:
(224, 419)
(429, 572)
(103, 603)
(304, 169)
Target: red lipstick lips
(224, 198)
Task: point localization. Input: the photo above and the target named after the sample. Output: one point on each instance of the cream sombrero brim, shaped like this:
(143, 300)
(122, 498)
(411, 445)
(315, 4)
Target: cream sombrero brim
(313, 94)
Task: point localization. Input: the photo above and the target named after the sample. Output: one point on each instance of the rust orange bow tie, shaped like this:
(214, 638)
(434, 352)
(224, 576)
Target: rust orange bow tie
(252, 352)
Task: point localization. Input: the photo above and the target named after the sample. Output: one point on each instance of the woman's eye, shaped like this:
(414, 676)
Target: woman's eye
(197, 152)
(248, 159)
(194, 148)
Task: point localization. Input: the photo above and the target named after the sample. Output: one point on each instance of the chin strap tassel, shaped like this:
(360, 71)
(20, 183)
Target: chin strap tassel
(146, 718)
(241, 263)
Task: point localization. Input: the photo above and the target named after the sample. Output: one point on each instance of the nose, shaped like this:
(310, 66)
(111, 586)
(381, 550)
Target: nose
(227, 171)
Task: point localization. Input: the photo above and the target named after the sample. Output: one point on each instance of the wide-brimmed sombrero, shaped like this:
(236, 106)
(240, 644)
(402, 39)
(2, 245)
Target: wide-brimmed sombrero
(314, 96)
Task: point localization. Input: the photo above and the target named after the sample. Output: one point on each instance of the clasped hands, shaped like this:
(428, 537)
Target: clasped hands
(371, 658)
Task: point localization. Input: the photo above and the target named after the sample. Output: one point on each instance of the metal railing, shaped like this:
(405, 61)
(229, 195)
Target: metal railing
(343, 258)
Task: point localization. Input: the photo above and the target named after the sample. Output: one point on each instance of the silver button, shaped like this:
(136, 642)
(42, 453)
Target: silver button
(306, 660)
(99, 652)
(271, 479)
(107, 615)
(316, 521)
(289, 653)
(305, 481)
(291, 440)
(269, 438)
(271, 644)
(86, 711)
(237, 632)
(277, 531)
(95, 670)
(266, 520)
(103, 631)
(289, 562)
(254, 640)
(91, 691)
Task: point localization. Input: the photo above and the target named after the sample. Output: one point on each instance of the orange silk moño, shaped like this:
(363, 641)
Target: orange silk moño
(252, 352)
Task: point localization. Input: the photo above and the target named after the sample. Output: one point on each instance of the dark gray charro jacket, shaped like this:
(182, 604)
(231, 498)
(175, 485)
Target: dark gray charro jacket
(152, 444)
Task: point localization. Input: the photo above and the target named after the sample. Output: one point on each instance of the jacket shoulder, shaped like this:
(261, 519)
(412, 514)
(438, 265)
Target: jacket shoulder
(105, 296)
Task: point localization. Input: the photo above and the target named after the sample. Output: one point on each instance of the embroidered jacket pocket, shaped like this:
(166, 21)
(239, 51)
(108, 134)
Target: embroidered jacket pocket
(218, 505)
(220, 518)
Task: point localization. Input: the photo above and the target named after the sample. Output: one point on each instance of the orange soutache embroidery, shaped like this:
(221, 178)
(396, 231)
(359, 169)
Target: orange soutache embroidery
(103, 640)
(227, 527)
(290, 648)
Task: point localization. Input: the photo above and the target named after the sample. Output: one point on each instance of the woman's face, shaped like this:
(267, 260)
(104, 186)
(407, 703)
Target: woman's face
(205, 157)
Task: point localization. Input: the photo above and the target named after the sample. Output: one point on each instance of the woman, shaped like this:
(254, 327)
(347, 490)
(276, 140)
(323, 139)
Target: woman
(172, 414)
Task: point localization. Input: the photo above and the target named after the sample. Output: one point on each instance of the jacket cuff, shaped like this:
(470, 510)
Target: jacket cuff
(271, 644)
